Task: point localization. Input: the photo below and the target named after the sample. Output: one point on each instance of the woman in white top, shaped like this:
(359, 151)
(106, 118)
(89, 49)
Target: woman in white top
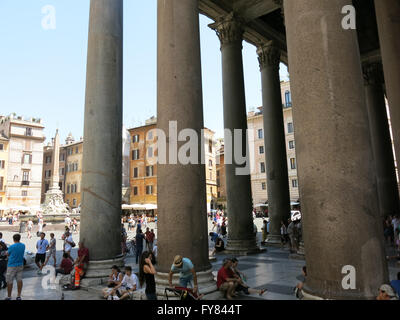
(115, 279)
(30, 226)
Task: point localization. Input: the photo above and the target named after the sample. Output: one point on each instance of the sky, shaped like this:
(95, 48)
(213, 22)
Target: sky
(43, 71)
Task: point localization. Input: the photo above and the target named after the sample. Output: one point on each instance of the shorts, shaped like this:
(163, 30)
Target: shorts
(40, 257)
(186, 282)
(51, 253)
(14, 272)
(224, 286)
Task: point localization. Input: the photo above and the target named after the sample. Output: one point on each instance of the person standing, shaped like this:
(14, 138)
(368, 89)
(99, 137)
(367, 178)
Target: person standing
(146, 275)
(30, 227)
(1, 238)
(68, 242)
(139, 244)
(150, 235)
(40, 225)
(264, 231)
(187, 273)
(52, 250)
(42, 246)
(15, 266)
(3, 264)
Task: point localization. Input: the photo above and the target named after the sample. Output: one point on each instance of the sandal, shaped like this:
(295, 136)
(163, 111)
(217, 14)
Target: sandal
(262, 291)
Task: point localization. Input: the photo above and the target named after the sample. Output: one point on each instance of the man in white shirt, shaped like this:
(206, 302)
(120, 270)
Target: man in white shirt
(129, 284)
(68, 242)
(67, 221)
(42, 246)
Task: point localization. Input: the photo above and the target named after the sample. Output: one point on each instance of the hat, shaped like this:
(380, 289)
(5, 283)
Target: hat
(387, 289)
(178, 261)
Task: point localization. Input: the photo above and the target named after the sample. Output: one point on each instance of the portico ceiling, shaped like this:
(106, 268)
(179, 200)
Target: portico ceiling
(264, 22)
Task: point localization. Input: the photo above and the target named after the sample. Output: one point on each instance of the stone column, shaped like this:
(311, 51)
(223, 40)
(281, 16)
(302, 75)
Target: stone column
(388, 19)
(341, 221)
(102, 151)
(388, 193)
(182, 224)
(274, 140)
(241, 239)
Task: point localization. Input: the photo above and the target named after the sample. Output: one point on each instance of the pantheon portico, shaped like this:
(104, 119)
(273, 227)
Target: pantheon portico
(339, 80)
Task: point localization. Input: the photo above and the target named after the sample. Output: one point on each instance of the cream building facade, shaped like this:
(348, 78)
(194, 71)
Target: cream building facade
(3, 172)
(257, 150)
(25, 160)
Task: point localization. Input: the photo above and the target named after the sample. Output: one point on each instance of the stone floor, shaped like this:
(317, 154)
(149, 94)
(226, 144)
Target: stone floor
(273, 270)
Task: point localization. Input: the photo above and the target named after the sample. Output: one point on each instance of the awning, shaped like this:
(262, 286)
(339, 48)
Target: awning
(137, 206)
(21, 208)
(261, 205)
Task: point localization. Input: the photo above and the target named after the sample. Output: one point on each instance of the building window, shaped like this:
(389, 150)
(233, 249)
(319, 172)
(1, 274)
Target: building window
(290, 127)
(47, 174)
(218, 182)
(48, 159)
(294, 183)
(76, 166)
(62, 171)
(77, 150)
(263, 186)
(25, 176)
(69, 188)
(260, 134)
(288, 99)
(262, 167)
(28, 132)
(150, 135)
(210, 163)
(74, 202)
(291, 144)
(2, 164)
(27, 158)
(1, 147)
(210, 145)
(46, 187)
(135, 191)
(1, 183)
(149, 171)
(69, 151)
(149, 189)
(24, 193)
(261, 149)
(135, 154)
(62, 157)
(135, 172)
(150, 152)
(135, 138)
(292, 163)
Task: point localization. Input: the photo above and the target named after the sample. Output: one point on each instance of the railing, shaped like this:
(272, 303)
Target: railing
(25, 183)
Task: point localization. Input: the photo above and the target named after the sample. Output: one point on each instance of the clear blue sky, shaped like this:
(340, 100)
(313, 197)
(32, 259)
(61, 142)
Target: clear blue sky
(43, 72)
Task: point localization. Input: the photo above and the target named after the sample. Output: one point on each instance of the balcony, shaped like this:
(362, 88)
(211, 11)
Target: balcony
(25, 183)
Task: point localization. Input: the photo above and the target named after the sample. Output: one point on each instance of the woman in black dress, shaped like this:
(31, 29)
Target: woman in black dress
(146, 275)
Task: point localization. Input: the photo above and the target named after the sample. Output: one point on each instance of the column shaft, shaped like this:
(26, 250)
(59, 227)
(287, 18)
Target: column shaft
(388, 19)
(238, 185)
(341, 221)
(388, 193)
(274, 140)
(102, 152)
(182, 226)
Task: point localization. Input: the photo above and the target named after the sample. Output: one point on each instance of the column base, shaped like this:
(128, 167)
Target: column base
(205, 280)
(242, 247)
(99, 271)
(274, 240)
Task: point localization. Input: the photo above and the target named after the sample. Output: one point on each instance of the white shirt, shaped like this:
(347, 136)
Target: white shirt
(67, 220)
(155, 249)
(67, 245)
(42, 246)
(130, 281)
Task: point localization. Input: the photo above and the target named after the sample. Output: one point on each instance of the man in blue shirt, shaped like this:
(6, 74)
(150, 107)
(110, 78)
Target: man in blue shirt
(187, 272)
(15, 266)
(396, 284)
(213, 236)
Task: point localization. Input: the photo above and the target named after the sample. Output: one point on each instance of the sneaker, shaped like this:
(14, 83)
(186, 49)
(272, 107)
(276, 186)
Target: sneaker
(18, 298)
(39, 272)
(8, 298)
